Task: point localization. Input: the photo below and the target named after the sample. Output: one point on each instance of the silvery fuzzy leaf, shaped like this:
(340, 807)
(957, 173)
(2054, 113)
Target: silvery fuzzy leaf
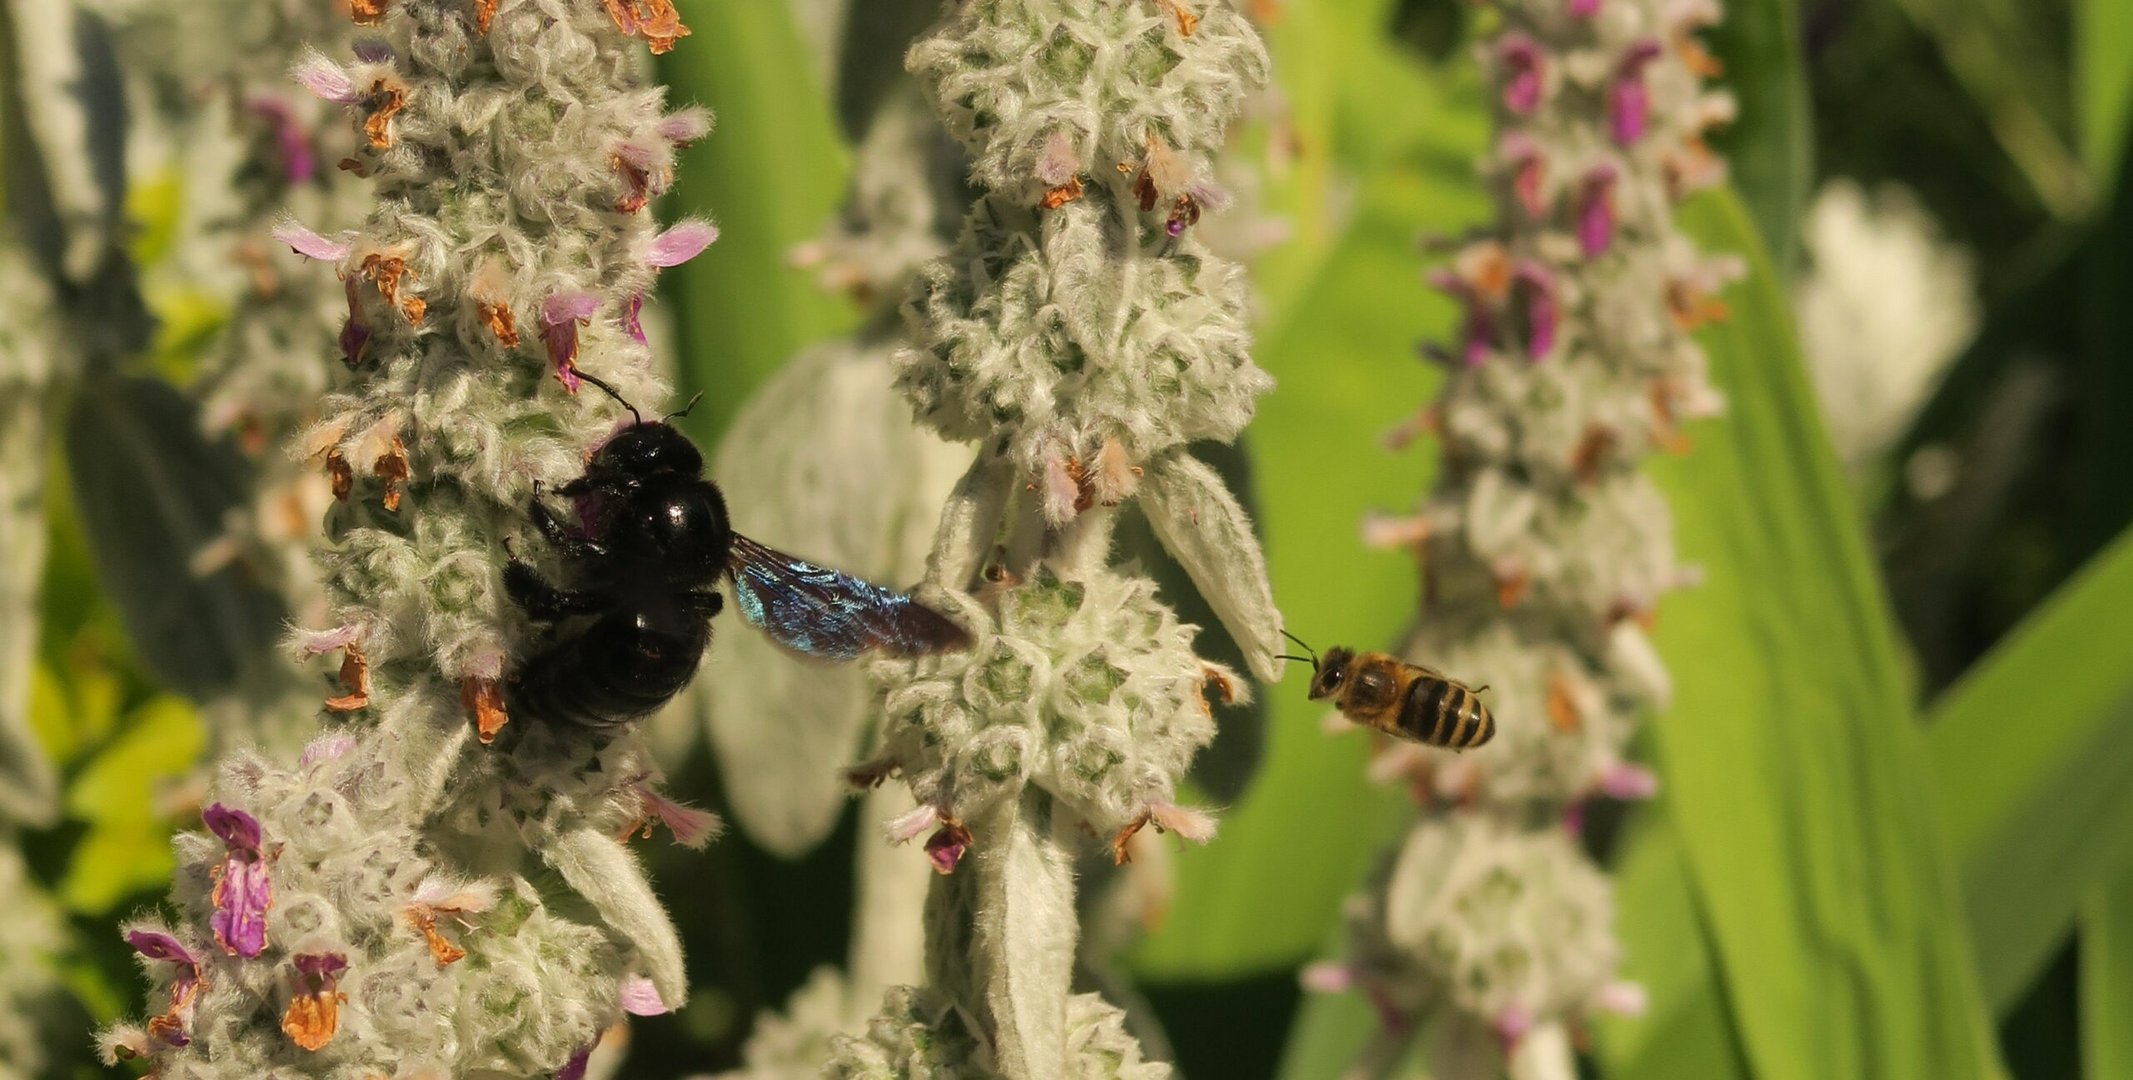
(152, 492)
(28, 787)
(609, 877)
(1014, 899)
(824, 462)
(74, 107)
(1204, 528)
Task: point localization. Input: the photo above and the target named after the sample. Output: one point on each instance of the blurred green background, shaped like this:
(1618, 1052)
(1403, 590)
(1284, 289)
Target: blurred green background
(1897, 776)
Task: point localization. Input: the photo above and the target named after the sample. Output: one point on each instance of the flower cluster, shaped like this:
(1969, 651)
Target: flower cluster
(1545, 549)
(434, 888)
(1081, 335)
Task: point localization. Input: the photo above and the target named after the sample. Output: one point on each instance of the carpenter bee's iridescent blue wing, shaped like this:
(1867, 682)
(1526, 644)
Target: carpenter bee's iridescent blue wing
(826, 613)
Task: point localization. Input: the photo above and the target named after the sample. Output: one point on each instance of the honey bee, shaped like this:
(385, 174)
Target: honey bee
(1408, 701)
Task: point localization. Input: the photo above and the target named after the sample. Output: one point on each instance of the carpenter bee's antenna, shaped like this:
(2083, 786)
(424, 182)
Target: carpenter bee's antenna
(1305, 659)
(611, 392)
(684, 410)
(1299, 641)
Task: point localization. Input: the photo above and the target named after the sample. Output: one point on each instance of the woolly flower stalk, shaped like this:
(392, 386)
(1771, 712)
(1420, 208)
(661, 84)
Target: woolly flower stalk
(1545, 549)
(1081, 335)
(432, 889)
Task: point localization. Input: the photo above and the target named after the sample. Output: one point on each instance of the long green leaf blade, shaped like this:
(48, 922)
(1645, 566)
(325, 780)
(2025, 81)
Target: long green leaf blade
(2103, 91)
(2032, 751)
(1800, 784)
(1770, 147)
(770, 173)
(2107, 981)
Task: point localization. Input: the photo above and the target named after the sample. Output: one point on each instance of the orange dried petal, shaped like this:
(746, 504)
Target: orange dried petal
(484, 14)
(1186, 20)
(313, 1018)
(1562, 709)
(385, 101)
(1591, 450)
(367, 12)
(1119, 856)
(355, 675)
(339, 475)
(392, 468)
(1063, 194)
(1511, 589)
(485, 699)
(441, 948)
(498, 318)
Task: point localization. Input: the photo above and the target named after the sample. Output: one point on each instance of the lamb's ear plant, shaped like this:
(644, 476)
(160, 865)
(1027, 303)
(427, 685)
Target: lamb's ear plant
(1081, 336)
(432, 888)
(1544, 548)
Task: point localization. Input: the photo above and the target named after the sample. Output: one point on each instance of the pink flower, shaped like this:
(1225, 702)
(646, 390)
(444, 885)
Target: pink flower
(1629, 783)
(1533, 289)
(692, 828)
(355, 337)
(1629, 101)
(298, 163)
(684, 126)
(1520, 57)
(1584, 9)
(1197, 826)
(329, 747)
(242, 892)
(1621, 999)
(1529, 170)
(169, 1028)
(307, 242)
(1596, 211)
(1327, 978)
(1059, 162)
(561, 316)
(905, 828)
(682, 241)
(641, 998)
(946, 846)
(632, 318)
(574, 1069)
(1512, 1024)
(330, 81)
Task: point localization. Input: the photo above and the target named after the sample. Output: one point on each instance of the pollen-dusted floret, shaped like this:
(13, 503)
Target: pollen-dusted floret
(1028, 86)
(1062, 347)
(920, 1033)
(1087, 689)
(1506, 923)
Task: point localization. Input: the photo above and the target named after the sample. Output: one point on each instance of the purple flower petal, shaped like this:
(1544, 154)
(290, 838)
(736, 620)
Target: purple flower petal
(574, 1069)
(1584, 9)
(1629, 101)
(355, 336)
(560, 315)
(685, 126)
(1534, 286)
(298, 163)
(157, 945)
(947, 846)
(308, 243)
(373, 51)
(329, 747)
(1596, 211)
(1629, 783)
(680, 243)
(1521, 59)
(233, 827)
(321, 76)
(242, 898)
(640, 998)
(1478, 335)
(631, 323)
(325, 967)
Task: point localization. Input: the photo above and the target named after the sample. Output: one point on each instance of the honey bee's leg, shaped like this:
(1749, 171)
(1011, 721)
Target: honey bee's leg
(541, 600)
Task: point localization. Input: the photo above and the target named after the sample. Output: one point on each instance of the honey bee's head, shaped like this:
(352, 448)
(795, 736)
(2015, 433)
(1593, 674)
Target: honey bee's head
(1331, 673)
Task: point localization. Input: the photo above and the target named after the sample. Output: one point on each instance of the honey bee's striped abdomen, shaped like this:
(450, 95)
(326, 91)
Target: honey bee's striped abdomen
(1441, 712)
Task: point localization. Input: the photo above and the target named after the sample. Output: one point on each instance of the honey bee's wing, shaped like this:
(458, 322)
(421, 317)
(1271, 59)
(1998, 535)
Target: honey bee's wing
(830, 614)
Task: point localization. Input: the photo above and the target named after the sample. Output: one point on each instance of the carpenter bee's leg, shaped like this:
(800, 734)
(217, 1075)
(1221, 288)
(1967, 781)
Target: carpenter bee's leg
(706, 604)
(600, 481)
(541, 600)
(565, 539)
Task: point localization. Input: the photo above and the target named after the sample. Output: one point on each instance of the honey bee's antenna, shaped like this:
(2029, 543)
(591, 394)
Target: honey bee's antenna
(611, 392)
(1299, 641)
(684, 410)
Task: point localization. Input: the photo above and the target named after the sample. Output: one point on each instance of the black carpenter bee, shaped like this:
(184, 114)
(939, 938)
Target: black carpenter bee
(651, 541)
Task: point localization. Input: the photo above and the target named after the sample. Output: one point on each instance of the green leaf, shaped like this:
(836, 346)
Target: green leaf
(2038, 821)
(2103, 90)
(2107, 981)
(770, 173)
(1799, 783)
(127, 848)
(1686, 1031)
(2002, 52)
(152, 491)
(1345, 312)
(1769, 148)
